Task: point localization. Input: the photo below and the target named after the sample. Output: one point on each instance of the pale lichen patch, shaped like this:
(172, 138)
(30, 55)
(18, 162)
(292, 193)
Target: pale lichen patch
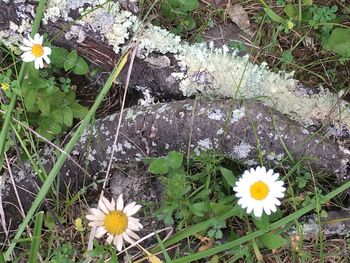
(216, 114)
(242, 150)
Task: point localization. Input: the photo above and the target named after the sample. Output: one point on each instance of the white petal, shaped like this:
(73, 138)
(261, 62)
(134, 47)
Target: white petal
(112, 203)
(95, 217)
(273, 208)
(97, 212)
(118, 242)
(96, 223)
(38, 39)
(132, 234)
(120, 202)
(135, 226)
(38, 63)
(127, 238)
(47, 59)
(100, 231)
(28, 56)
(267, 209)
(27, 43)
(131, 208)
(270, 172)
(47, 51)
(109, 239)
(134, 223)
(102, 205)
(250, 209)
(258, 211)
(31, 40)
(24, 48)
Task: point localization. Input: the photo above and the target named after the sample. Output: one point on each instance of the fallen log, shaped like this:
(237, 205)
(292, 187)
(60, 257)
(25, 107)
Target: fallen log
(242, 130)
(169, 67)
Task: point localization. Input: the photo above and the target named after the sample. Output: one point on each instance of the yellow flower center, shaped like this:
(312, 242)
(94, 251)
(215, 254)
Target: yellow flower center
(290, 25)
(259, 190)
(116, 222)
(5, 86)
(37, 50)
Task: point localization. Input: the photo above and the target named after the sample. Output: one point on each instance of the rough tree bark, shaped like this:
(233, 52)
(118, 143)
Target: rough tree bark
(242, 130)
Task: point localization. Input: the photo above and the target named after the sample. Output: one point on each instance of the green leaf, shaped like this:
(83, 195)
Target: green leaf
(175, 159)
(307, 2)
(274, 16)
(44, 106)
(71, 60)
(188, 5)
(67, 116)
(289, 10)
(339, 42)
(262, 222)
(229, 176)
(30, 98)
(81, 67)
(272, 241)
(159, 166)
(57, 116)
(50, 126)
(78, 110)
(58, 56)
(35, 244)
(188, 23)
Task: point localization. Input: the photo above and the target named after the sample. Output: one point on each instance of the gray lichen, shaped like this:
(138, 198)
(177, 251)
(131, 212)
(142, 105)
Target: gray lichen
(200, 66)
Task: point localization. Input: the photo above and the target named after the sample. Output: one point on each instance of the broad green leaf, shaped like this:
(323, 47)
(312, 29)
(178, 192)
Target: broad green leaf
(30, 98)
(50, 126)
(81, 67)
(262, 222)
(58, 56)
(78, 110)
(339, 42)
(229, 176)
(289, 10)
(272, 241)
(159, 166)
(274, 16)
(57, 116)
(308, 2)
(202, 207)
(188, 23)
(175, 159)
(71, 60)
(44, 106)
(67, 116)
(188, 5)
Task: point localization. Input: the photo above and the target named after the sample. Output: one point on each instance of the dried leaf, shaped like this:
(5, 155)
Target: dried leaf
(240, 17)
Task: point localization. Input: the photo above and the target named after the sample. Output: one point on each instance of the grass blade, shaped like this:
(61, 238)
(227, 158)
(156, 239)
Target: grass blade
(34, 248)
(277, 224)
(5, 127)
(63, 156)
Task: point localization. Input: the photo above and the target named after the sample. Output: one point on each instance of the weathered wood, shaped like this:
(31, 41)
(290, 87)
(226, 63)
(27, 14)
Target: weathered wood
(242, 130)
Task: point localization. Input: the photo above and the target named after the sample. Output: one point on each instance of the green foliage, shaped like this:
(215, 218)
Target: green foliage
(322, 15)
(339, 42)
(179, 12)
(65, 253)
(272, 241)
(188, 192)
(49, 102)
(62, 59)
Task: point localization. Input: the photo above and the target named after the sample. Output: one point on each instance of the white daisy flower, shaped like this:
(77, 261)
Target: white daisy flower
(259, 191)
(116, 221)
(35, 51)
